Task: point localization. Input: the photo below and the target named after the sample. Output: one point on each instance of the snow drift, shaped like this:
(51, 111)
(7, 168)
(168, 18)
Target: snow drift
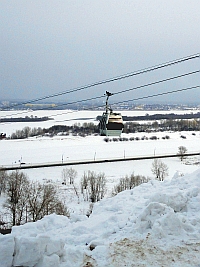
(154, 224)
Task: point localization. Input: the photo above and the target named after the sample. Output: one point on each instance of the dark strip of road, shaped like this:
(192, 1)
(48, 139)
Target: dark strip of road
(94, 161)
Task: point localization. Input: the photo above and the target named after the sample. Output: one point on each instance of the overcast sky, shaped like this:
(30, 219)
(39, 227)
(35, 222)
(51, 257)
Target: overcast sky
(50, 46)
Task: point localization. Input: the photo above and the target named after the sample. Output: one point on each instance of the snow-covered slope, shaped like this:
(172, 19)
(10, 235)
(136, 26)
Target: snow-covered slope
(155, 224)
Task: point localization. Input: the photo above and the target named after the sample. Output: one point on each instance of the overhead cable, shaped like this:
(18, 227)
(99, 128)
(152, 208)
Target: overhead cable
(120, 92)
(135, 99)
(159, 94)
(120, 77)
(125, 101)
(157, 82)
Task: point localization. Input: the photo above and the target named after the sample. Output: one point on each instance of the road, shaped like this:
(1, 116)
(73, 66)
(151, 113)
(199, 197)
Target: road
(94, 161)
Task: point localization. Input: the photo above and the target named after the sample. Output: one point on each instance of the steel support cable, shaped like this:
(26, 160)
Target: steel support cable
(123, 91)
(120, 77)
(126, 101)
(131, 89)
(140, 98)
(61, 105)
(157, 82)
(159, 94)
(144, 97)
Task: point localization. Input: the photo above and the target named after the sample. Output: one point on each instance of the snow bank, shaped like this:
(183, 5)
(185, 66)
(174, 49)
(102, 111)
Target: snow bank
(6, 250)
(164, 216)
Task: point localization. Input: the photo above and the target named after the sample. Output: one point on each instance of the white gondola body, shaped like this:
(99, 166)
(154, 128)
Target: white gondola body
(111, 124)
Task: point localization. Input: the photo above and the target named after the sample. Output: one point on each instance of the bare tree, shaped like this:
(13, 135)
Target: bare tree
(27, 201)
(17, 187)
(159, 169)
(3, 176)
(35, 197)
(93, 186)
(3, 223)
(26, 131)
(69, 175)
(182, 150)
(43, 200)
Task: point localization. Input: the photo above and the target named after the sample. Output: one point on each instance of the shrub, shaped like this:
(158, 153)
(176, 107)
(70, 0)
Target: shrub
(183, 136)
(127, 183)
(154, 137)
(160, 169)
(93, 186)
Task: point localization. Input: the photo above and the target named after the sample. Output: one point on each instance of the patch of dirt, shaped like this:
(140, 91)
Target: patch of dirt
(143, 253)
(89, 262)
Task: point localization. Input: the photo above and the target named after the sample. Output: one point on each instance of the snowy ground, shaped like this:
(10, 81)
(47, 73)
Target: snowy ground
(69, 148)
(155, 224)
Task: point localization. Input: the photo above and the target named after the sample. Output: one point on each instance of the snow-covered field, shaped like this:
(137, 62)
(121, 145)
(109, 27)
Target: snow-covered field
(155, 224)
(68, 117)
(68, 148)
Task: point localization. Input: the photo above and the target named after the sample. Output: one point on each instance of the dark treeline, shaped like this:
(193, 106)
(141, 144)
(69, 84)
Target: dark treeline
(163, 125)
(76, 129)
(170, 116)
(90, 128)
(26, 119)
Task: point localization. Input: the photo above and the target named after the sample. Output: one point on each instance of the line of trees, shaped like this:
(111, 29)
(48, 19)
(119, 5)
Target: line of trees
(28, 201)
(117, 139)
(127, 183)
(90, 128)
(163, 125)
(25, 119)
(170, 116)
(27, 132)
(76, 129)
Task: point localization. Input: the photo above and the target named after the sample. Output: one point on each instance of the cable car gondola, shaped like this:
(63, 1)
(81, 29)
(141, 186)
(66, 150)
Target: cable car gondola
(111, 123)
